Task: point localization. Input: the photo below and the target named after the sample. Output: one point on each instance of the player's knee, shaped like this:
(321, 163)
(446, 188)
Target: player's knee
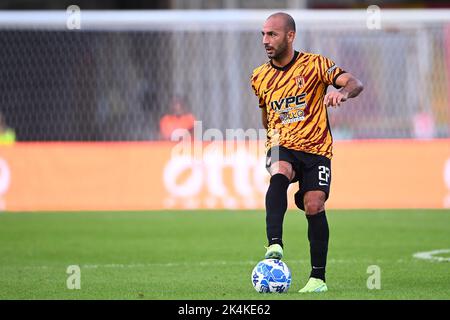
(284, 168)
(311, 205)
(312, 202)
(314, 206)
(288, 172)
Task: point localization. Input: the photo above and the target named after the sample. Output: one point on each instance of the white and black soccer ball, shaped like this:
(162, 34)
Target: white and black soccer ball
(271, 275)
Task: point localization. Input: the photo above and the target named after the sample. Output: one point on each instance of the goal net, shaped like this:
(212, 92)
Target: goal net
(114, 77)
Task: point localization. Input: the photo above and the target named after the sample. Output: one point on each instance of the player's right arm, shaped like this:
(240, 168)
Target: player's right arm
(350, 88)
(331, 74)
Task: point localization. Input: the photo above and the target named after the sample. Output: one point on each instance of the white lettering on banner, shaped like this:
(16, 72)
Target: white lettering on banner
(177, 166)
(5, 176)
(248, 178)
(261, 177)
(243, 165)
(447, 183)
(214, 161)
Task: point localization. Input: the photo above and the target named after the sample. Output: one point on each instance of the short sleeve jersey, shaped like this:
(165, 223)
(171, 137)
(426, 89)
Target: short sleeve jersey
(293, 97)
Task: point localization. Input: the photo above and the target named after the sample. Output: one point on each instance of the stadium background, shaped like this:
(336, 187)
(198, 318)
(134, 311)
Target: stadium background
(75, 96)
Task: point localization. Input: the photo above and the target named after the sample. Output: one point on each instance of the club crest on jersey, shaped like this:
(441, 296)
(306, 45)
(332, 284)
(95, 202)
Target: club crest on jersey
(300, 81)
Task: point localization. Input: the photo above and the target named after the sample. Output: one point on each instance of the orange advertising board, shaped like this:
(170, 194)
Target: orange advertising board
(147, 176)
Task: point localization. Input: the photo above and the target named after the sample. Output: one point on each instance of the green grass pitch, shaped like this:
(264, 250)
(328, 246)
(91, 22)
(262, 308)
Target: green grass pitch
(210, 254)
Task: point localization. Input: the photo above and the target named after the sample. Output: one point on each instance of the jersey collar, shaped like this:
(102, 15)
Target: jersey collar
(296, 53)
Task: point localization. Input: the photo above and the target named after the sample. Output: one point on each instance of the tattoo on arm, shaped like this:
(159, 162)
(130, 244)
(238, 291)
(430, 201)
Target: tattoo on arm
(352, 88)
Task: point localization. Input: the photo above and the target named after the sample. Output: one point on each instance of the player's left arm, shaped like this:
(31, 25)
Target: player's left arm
(350, 88)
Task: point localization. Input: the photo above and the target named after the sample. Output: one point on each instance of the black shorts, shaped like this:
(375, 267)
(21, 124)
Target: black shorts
(312, 171)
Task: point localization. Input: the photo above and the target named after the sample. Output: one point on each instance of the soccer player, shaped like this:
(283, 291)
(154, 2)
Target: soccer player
(292, 92)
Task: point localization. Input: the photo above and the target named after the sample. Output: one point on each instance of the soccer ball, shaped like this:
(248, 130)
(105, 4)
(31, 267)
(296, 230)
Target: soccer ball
(271, 275)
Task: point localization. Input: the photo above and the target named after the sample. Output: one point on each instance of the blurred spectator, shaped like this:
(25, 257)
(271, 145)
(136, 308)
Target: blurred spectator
(177, 118)
(7, 135)
(423, 125)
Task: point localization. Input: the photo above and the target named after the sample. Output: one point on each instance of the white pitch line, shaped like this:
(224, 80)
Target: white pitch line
(430, 255)
(168, 264)
(205, 264)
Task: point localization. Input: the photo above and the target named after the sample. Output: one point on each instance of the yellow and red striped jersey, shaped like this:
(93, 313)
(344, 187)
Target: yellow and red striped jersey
(293, 97)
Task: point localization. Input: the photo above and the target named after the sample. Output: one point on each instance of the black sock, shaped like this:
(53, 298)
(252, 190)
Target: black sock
(318, 235)
(276, 206)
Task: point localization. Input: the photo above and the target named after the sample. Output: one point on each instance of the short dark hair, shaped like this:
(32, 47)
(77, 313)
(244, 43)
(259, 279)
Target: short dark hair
(289, 22)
